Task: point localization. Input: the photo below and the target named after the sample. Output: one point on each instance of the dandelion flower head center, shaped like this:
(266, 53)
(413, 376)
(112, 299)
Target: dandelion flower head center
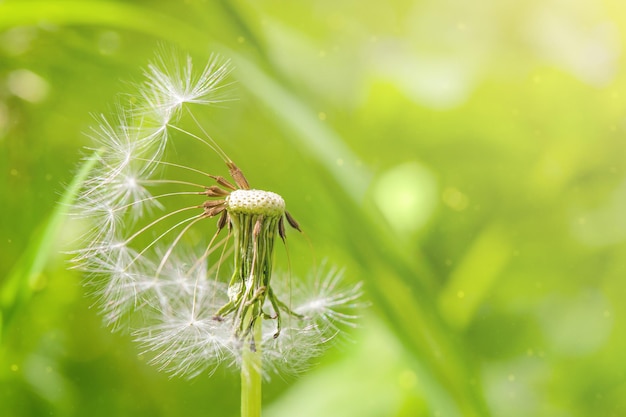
(256, 202)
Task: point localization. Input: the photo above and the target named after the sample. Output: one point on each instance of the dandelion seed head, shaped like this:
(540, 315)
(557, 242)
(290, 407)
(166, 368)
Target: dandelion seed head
(141, 256)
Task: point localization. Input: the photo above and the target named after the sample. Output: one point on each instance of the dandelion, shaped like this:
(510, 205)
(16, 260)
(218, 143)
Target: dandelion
(153, 277)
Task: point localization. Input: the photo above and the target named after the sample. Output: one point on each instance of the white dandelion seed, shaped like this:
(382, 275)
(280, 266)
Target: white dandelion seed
(330, 302)
(172, 81)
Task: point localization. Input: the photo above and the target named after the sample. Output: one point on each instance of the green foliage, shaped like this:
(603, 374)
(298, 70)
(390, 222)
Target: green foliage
(466, 163)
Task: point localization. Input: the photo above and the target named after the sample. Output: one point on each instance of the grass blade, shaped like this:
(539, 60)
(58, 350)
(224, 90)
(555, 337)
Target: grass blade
(19, 286)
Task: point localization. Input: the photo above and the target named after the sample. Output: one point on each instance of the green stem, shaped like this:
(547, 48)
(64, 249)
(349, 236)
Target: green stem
(251, 374)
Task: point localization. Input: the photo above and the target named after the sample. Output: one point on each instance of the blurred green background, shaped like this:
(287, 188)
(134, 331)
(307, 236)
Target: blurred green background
(466, 160)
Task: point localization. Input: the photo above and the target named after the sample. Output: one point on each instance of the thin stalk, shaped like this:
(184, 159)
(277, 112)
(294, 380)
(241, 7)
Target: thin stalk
(251, 374)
